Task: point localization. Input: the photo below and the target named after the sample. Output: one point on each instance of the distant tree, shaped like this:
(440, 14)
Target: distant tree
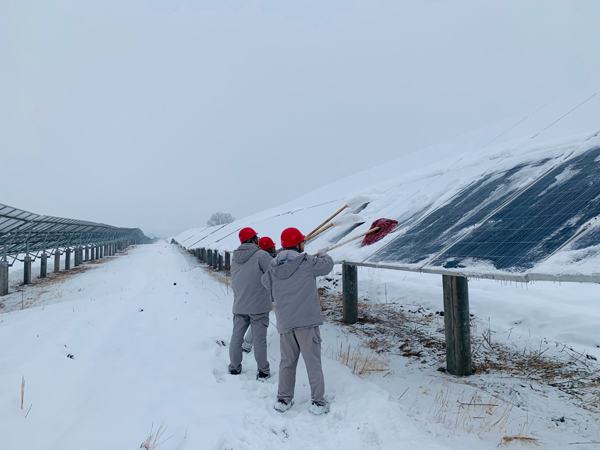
(219, 218)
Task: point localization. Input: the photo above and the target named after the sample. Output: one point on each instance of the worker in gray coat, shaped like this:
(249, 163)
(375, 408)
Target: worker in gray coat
(291, 279)
(265, 243)
(251, 302)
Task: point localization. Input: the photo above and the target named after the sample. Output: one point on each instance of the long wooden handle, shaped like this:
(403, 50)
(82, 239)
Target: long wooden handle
(310, 235)
(372, 230)
(314, 235)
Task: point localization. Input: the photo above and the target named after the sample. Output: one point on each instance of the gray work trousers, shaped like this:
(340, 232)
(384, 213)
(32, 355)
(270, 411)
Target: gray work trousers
(308, 342)
(259, 324)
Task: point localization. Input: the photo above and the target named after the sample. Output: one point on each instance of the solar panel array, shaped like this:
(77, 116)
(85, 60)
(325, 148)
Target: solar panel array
(505, 225)
(23, 232)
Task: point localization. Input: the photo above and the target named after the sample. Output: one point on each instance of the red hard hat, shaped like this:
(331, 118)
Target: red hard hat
(247, 233)
(290, 237)
(266, 243)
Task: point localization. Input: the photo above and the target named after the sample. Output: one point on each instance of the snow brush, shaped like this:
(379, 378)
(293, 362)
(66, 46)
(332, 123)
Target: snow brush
(379, 229)
(348, 219)
(356, 201)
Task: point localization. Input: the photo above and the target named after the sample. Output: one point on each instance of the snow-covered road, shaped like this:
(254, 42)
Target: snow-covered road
(142, 339)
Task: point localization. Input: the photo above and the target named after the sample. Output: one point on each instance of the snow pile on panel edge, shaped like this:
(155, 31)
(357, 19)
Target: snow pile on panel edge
(420, 182)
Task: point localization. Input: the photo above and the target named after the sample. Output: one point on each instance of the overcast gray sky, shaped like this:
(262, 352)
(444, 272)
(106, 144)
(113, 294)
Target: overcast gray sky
(157, 113)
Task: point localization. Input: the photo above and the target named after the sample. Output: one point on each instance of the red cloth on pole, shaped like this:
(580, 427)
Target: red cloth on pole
(385, 226)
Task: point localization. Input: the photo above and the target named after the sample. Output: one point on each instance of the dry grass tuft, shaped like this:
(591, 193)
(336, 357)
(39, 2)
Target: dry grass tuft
(520, 438)
(360, 364)
(151, 442)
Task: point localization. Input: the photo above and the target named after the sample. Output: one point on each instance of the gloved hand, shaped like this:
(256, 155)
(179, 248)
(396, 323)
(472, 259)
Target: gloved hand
(322, 252)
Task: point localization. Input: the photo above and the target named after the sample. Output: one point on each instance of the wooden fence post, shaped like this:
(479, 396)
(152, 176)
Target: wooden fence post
(350, 293)
(457, 325)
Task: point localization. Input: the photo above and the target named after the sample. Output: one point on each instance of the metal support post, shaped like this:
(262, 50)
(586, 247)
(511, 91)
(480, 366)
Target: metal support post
(215, 260)
(43, 265)
(27, 270)
(100, 255)
(227, 261)
(67, 259)
(75, 258)
(203, 254)
(3, 278)
(350, 293)
(209, 257)
(220, 261)
(457, 325)
(57, 261)
(87, 255)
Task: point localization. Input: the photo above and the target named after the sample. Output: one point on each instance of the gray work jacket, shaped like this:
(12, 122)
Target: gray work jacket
(248, 265)
(291, 279)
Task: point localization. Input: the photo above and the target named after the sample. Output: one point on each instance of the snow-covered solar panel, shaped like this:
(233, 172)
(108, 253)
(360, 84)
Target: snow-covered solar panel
(499, 224)
(451, 221)
(538, 222)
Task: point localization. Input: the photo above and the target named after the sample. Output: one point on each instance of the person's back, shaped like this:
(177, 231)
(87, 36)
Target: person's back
(294, 289)
(248, 265)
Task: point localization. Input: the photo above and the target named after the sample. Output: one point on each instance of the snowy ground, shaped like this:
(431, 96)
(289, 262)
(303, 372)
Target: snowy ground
(134, 341)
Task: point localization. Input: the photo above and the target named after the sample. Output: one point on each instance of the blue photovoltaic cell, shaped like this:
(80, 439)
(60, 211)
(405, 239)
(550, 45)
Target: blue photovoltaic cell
(536, 223)
(449, 222)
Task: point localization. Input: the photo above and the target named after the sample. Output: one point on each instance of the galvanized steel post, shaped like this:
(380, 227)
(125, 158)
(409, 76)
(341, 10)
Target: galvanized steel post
(220, 261)
(43, 265)
(227, 261)
(215, 260)
(67, 259)
(57, 261)
(3, 278)
(27, 270)
(457, 325)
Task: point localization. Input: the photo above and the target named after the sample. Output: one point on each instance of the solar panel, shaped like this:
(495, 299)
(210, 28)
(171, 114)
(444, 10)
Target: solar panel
(22, 231)
(537, 222)
(590, 239)
(453, 220)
